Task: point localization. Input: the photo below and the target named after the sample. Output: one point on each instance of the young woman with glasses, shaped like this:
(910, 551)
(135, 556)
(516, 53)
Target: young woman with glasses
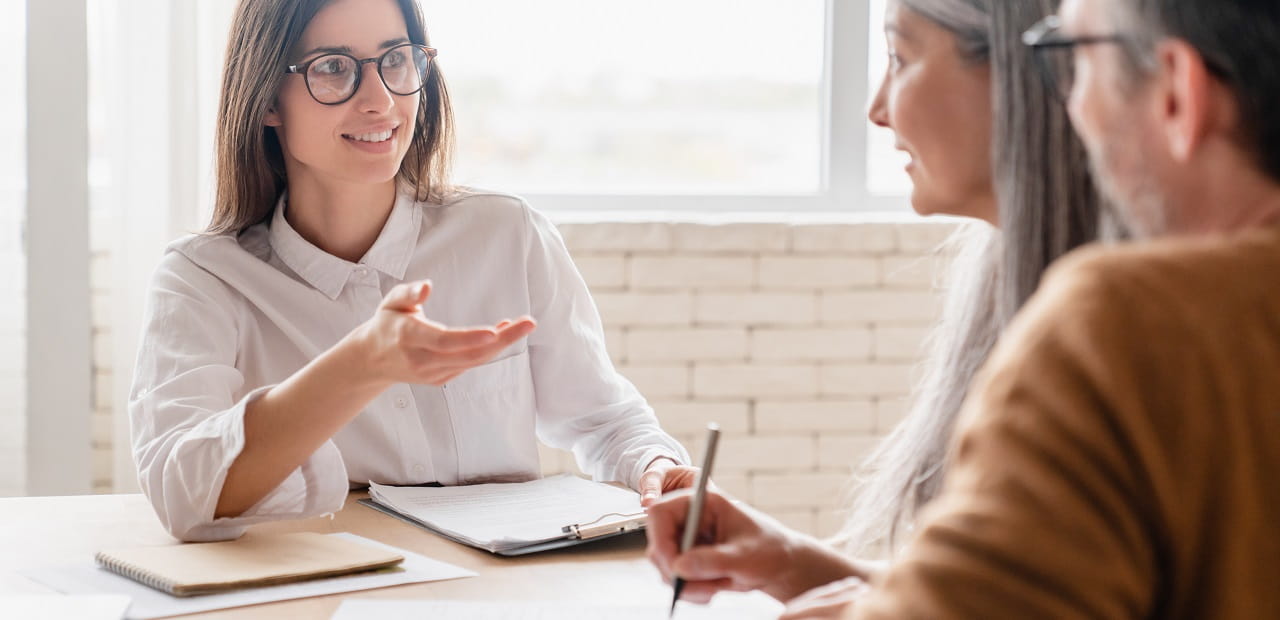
(305, 343)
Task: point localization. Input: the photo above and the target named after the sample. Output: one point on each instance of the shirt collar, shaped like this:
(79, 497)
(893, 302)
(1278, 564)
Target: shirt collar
(390, 253)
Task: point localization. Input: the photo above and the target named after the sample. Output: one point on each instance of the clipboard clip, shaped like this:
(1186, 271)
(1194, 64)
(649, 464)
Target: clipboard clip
(595, 529)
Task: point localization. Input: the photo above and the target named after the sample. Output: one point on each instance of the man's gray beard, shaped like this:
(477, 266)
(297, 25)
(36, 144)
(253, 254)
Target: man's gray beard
(1141, 210)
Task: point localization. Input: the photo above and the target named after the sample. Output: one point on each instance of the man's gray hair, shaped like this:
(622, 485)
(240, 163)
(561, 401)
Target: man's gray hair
(1239, 41)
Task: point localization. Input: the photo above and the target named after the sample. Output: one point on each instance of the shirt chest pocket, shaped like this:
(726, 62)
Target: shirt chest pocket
(493, 412)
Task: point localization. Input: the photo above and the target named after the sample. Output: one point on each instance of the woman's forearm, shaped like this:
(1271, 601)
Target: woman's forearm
(815, 564)
(287, 424)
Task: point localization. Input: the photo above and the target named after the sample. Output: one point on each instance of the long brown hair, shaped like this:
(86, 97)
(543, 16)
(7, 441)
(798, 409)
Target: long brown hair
(249, 166)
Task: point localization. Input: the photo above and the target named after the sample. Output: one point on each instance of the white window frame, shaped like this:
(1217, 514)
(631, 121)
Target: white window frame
(58, 379)
(843, 176)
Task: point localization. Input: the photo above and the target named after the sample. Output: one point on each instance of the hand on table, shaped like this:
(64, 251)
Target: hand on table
(664, 476)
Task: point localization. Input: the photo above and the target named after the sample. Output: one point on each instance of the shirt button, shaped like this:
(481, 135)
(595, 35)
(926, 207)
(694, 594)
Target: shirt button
(402, 402)
(418, 470)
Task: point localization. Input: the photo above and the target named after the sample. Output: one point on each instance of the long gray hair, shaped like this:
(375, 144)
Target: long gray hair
(1047, 205)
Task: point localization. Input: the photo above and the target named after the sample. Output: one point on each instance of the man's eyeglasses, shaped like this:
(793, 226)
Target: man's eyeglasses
(1055, 53)
(333, 79)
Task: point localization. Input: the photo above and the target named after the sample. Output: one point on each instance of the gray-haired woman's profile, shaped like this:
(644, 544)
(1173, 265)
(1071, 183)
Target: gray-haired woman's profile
(1047, 205)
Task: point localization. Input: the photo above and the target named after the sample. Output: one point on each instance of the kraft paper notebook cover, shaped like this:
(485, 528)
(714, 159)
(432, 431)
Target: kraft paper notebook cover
(251, 561)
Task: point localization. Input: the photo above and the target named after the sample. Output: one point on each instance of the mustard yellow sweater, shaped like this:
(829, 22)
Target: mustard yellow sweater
(1119, 456)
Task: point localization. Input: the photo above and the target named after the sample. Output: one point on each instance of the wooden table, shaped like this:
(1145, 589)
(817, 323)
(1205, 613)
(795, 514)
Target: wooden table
(63, 530)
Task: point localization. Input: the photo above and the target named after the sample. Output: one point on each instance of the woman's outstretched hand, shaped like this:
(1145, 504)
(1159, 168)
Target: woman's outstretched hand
(401, 345)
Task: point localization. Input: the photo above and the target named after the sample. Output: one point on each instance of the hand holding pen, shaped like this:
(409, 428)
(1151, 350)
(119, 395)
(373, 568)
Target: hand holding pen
(739, 549)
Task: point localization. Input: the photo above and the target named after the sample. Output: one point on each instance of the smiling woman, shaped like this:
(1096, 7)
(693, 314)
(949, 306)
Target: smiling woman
(297, 347)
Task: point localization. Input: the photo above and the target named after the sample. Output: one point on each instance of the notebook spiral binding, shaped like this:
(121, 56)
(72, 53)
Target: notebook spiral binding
(125, 569)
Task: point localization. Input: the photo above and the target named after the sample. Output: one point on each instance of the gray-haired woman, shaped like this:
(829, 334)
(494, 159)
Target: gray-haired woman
(987, 141)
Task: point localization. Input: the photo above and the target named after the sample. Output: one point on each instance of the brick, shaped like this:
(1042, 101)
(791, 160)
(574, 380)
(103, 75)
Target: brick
(863, 380)
(691, 418)
(748, 381)
(890, 411)
(776, 344)
(799, 489)
(755, 309)
(100, 309)
(607, 272)
(846, 416)
(731, 237)
(102, 464)
(103, 390)
(683, 272)
(923, 236)
(102, 430)
(100, 280)
(104, 227)
(736, 485)
(773, 453)
(829, 522)
(911, 272)
(615, 341)
(845, 452)
(102, 350)
(800, 520)
(811, 272)
(900, 343)
(658, 382)
(624, 309)
(610, 236)
(882, 306)
(661, 345)
(846, 238)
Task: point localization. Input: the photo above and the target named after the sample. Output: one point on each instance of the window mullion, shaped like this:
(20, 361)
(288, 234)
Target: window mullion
(845, 103)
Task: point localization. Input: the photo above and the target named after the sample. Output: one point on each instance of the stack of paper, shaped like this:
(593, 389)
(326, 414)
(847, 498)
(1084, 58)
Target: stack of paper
(510, 518)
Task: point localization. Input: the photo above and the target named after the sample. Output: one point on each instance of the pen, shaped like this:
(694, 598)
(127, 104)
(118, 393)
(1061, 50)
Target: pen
(695, 507)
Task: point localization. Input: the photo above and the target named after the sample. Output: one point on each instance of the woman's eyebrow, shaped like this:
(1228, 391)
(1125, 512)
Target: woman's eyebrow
(344, 49)
(897, 31)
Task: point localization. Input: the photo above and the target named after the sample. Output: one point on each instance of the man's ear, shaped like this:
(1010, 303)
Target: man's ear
(272, 118)
(1188, 108)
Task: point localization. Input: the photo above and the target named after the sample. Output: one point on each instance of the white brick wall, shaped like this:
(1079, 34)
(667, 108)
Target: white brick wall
(799, 339)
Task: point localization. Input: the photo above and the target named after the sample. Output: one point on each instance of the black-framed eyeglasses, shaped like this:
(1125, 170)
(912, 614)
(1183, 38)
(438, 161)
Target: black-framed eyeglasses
(1055, 53)
(333, 79)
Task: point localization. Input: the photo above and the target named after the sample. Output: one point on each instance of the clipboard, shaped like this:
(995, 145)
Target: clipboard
(607, 526)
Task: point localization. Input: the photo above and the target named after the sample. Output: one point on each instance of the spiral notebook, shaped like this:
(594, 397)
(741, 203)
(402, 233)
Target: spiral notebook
(249, 562)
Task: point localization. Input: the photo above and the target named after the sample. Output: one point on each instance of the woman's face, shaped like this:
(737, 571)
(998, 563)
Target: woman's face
(938, 105)
(347, 142)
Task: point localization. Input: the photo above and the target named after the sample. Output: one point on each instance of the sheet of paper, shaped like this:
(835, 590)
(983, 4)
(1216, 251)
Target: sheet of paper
(363, 609)
(63, 606)
(521, 512)
(88, 578)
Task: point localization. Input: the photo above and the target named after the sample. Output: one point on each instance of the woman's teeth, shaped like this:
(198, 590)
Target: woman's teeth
(381, 136)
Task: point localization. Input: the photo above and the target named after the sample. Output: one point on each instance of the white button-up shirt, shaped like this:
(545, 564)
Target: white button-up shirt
(228, 317)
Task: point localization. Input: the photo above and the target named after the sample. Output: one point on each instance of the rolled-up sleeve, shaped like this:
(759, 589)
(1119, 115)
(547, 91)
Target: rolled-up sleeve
(583, 403)
(187, 408)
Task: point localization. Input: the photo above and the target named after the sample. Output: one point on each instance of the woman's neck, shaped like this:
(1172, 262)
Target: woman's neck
(341, 219)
